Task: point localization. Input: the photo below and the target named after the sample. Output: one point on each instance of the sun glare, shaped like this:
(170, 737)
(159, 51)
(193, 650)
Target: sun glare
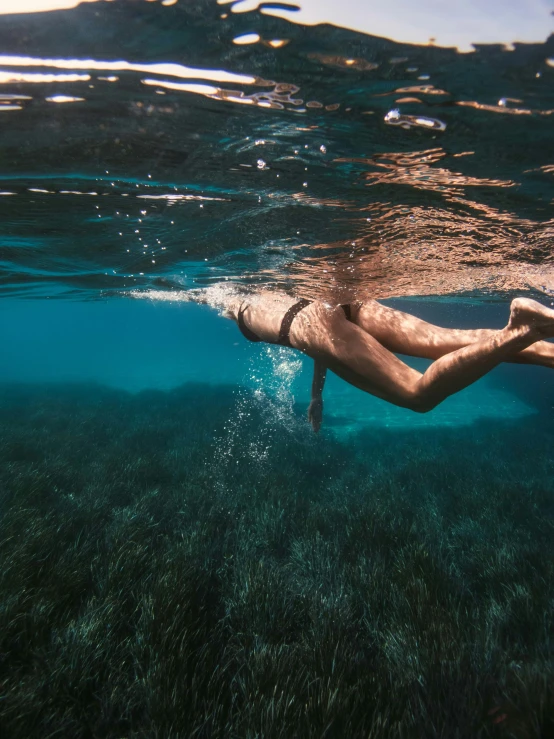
(38, 6)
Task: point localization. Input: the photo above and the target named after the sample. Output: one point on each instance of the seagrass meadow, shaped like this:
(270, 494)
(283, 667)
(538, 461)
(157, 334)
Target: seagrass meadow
(166, 573)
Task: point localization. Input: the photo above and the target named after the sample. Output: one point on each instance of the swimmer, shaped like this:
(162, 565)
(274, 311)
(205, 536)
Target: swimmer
(358, 342)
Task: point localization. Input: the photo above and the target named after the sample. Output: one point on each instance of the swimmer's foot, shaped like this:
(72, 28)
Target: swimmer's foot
(525, 312)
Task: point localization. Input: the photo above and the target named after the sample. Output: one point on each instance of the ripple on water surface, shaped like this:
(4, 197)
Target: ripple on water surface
(167, 145)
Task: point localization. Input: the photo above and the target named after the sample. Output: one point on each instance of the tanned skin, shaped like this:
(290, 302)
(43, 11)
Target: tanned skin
(362, 351)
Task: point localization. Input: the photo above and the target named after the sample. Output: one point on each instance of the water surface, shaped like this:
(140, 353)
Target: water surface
(162, 146)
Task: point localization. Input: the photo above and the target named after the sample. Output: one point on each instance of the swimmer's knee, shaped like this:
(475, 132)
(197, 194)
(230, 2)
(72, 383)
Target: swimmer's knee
(419, 403)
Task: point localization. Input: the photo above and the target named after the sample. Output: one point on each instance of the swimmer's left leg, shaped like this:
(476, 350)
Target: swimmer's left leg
(403, 333)
(356, 356)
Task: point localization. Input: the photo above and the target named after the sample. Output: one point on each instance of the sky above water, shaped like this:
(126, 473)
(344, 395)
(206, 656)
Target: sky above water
(459, 23)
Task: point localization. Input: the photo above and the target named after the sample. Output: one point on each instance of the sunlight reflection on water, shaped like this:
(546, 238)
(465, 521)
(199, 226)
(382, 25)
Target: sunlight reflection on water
(342, 165)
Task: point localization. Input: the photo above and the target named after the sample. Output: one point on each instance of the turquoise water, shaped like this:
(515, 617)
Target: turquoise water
(136, 345)
(180, 555)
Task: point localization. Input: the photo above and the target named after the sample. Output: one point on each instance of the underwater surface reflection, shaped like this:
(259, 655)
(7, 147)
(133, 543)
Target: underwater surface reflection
(160, 146)
(180, 555)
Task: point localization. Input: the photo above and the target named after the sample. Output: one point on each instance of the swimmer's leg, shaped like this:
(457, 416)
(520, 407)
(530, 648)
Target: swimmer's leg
(361, 360)
(405, 334)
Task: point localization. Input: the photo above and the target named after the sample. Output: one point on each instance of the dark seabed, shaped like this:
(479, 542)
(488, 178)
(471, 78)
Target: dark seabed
(162, 577)
(180, 555)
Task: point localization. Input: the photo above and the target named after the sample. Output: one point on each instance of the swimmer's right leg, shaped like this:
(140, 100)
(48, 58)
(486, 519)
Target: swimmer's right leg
(360, 359)
(403, 333)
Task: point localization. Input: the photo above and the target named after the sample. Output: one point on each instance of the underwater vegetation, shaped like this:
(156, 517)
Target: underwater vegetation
(169, 568)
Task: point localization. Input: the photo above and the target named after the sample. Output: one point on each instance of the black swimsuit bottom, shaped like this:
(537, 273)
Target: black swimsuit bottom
(286, 323)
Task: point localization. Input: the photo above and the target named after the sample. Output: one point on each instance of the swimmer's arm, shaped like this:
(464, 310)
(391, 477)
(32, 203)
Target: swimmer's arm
(318, 381)
(315, 409)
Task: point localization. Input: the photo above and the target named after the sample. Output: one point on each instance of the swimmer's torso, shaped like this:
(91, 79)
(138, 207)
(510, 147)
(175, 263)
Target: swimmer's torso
(263, 314)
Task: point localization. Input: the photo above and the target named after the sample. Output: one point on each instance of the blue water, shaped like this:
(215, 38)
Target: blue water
(134, 345)
(180, 555)
(150, 151)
